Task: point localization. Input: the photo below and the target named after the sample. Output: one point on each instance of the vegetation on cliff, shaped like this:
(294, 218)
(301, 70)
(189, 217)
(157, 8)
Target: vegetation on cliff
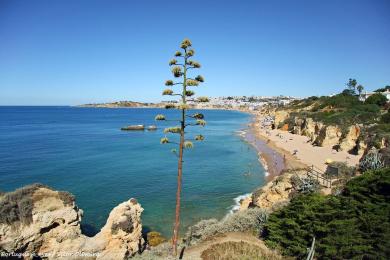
(250, 220)
(354, 224)
(341, 109)
(17, 206)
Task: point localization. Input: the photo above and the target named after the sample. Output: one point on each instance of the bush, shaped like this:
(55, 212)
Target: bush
(386, 88)
(386, 118)
(344, 171)
(305, 184)
(155, 238)
(377, 99)
(237, 251)
(17, 206)
(372, 161)
(251, 220)
(354, 225)
(340, 110)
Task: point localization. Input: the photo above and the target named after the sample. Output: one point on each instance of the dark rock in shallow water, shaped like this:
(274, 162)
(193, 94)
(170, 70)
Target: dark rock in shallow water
(133, 127)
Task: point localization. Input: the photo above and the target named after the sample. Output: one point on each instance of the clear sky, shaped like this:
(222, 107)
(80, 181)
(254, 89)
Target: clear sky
(74, 52)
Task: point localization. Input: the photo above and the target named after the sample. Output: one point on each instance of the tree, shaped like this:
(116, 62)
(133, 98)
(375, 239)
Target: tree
(352, 225)
(348, 92)
(386, 88)
(377, 99)
(360, 89)
(352, 84)
(180, 71)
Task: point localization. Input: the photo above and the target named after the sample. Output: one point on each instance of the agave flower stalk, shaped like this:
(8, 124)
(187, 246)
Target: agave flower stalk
(180, 71)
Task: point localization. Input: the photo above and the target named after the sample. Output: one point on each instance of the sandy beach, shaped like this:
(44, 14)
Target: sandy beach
(296, 150)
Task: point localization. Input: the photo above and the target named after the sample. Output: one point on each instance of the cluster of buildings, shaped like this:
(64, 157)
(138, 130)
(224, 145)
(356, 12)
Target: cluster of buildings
(247, 102)
(365, 95)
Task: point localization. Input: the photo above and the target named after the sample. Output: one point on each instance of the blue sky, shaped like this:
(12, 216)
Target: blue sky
(74, 52)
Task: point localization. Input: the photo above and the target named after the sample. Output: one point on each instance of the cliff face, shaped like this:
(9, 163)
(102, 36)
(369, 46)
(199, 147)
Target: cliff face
(324, 135)
(38, 220)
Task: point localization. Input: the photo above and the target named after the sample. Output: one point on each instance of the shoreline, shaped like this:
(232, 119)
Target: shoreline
(274, 158)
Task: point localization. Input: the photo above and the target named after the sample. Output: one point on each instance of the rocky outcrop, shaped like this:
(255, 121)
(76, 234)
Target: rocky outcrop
(307, 127)
(329, 136)
(326, 135)
(280, 116)
(275, 192)
(350, 141)
(36, 220)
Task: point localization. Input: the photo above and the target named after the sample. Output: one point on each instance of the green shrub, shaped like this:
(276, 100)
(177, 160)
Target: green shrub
(305, 184)
(353, 225)
(386, 118)
(343, 169)
(377, 99)
(250, 220)
(382, 89)
(155, 238)
(340, 110)
(372, 161)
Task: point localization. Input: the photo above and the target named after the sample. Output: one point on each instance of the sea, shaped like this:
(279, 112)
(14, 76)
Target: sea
(83, 151)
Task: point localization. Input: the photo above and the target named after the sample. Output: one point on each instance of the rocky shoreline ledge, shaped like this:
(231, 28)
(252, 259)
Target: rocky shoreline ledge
(39, 221)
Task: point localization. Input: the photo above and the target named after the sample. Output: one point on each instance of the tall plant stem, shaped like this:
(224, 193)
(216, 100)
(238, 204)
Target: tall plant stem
(180, 162)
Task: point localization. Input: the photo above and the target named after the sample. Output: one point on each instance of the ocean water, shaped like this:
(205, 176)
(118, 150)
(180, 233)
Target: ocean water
(82, 150)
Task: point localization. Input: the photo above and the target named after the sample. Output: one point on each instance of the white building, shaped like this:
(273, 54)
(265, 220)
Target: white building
(365, 95)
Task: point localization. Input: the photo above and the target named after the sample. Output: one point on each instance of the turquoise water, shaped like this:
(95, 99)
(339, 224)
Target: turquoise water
(82, 150)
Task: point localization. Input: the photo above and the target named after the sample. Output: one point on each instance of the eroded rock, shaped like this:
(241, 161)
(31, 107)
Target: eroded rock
(39, 220)
(351, 138)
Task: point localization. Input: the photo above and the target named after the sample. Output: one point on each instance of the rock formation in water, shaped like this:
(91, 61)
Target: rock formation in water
(36, 220)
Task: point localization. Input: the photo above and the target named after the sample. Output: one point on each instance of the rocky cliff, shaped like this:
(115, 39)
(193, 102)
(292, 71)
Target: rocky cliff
(37, 220)
(321, 134)
(276, 192)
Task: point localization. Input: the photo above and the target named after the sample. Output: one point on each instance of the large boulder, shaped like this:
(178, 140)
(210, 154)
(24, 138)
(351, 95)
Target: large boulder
(311, 129)
(350, 140)
(298, 125)
(37, 220)
(328, 136)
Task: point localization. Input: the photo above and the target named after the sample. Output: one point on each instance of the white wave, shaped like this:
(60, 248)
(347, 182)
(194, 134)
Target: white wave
(241, 133)
(237, 204)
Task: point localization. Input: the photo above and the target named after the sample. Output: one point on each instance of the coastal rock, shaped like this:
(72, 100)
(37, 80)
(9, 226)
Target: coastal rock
(307, 127)
(361, 147)
(280, 116)
(284, 127)
(311, 129)
(350, 140)
(328, 136)
(245, 203)
(276, 192)
(38, 220)
(298, 126)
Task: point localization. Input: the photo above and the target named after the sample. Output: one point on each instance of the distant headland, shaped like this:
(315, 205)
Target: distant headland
(228, 102)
